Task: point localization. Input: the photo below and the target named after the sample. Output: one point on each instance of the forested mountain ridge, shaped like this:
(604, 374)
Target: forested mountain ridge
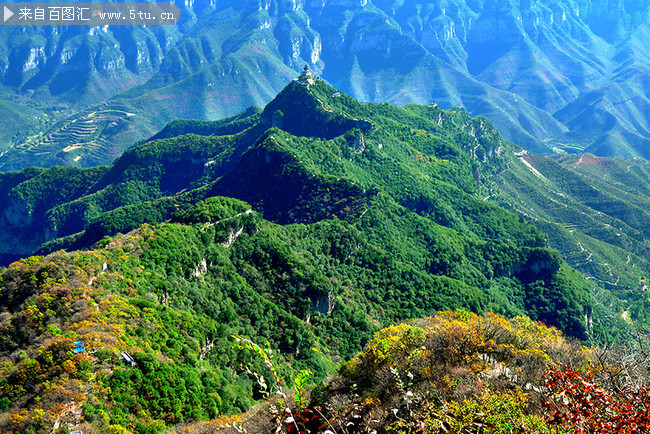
(341, 217)
(561, 75)
(594, 227)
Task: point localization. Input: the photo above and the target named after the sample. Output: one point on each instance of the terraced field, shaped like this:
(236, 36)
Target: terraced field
(81, 140)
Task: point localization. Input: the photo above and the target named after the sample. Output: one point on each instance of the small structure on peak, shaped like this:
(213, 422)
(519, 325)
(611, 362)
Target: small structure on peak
(305, 71)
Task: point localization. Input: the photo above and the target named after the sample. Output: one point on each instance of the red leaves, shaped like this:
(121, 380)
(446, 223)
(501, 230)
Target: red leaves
(575, 400)
(308, 420)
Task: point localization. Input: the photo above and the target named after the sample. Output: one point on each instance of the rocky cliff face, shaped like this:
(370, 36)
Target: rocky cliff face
(80, 65)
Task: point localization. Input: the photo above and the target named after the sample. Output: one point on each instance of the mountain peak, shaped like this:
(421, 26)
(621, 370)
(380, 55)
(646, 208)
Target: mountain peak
(308, 106)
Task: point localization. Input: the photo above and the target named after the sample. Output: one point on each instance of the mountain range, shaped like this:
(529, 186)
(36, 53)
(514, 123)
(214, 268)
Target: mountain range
(309, 224)
(558, 76)
(314, 153)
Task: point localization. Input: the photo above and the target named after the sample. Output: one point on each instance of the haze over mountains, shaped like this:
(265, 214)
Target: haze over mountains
(552, 75)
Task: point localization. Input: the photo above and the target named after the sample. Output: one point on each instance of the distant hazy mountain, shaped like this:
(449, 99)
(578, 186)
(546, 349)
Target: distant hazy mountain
(551, 75)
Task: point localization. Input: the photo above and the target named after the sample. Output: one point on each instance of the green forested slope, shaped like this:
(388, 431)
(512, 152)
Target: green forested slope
(173, 294)
(309, 225)
(594, 211)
